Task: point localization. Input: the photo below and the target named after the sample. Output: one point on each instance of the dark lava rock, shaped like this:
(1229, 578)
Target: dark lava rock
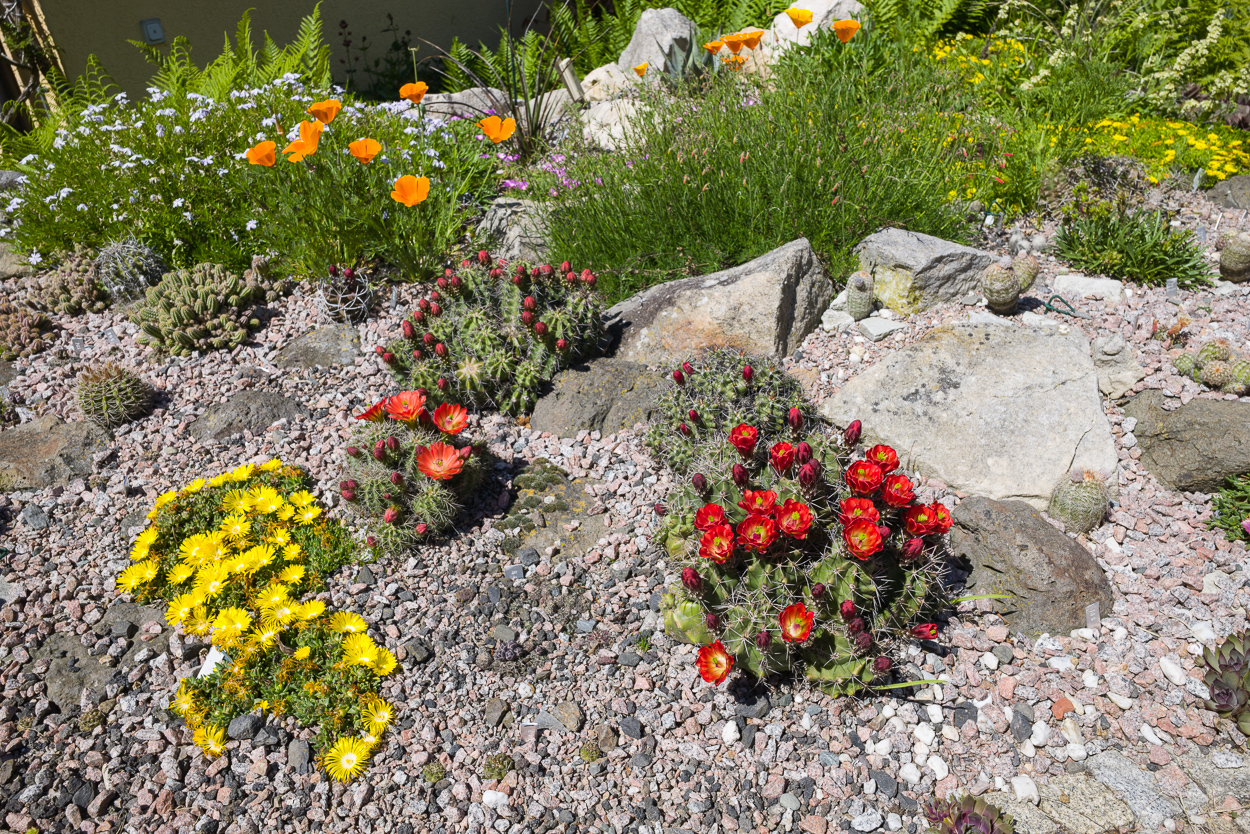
(49, 452)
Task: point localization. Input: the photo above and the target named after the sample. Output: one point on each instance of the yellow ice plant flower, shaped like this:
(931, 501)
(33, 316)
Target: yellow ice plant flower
(260, 556)
(377, 714)
(180, 607)
(311, 610)
(291, 574)
(302, 653)
(359, 650)
(236, 526)
(292, 552)
(197, 622)
(279, 536)
(273, 595)
(266, 500)
(242, 472)
(302, 498)
(211, 580)
(179, 573)
(229, 626)
(140, 573)
(308, 514)
(282, 612)
(237, 501)
(267, 633)
(211, 739)
(346, 759)
(219, 480)
(202, 548)
(271, 465)
(385, 664)
(183, 701)
(143, 543)
(285, 513)
(193, 487)
(165, 498)
(345, 622)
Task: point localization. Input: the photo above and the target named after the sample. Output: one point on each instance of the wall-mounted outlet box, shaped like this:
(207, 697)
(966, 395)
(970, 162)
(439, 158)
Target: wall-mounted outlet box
(153, 31)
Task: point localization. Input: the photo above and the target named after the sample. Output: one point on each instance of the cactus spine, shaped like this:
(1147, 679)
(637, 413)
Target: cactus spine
(72, 289)
(110, 395)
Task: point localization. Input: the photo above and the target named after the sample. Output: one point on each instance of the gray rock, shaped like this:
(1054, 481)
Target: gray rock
(298, 755)
(469, 103)
(1021, 727)
(752, 705)
(245, 726)
(494, 712)
(585, 626)
(870, 820)
(515, 229)
(1116, 365)
(887, 785)
(836, 321)
(913, 272)
(504, 634)
(612, 125)
(631, 726)
(606, 82)
(606, 738)
(7, 372)
(659, 37)
(1050, 577)
(766, 306)
(330, 346)
(604, 395)
(11, 180)
(35, 517)
(1233, 192)
(13, 264)
(875, 329)
(1195, 447)
(1136, 787)
(252, 411)
(48, 452)
(514, 572)
(1215, 776)
(547, 721)
(1077, 287)
(992, 410)
(570, 715)
(418, 652)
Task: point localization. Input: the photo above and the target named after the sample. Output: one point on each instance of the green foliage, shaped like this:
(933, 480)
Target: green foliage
(1228, 679)
(1080, 501)
(967, 815)
(110, 395)
(22, 332)
(72, 289)
(921, 23)
(492, 334)
(1231, 509)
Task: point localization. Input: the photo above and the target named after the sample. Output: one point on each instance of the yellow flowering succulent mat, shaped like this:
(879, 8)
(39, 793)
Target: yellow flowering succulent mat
(237, 559)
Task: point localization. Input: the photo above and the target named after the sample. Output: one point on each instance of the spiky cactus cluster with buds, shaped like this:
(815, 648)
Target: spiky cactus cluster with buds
(1228, 679)
(407, 471)
(22, 332)
(110, 395)
(720, 390)
(798, 555)
(72, 289)
(1217, 365)
(490, 332)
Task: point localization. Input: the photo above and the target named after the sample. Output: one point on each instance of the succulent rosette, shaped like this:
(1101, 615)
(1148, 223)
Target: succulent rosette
(1228, 679)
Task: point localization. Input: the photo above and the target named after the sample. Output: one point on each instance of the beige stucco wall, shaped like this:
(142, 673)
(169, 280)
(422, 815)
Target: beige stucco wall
(103, 27)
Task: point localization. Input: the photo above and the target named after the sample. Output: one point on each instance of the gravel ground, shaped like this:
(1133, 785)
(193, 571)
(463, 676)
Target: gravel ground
(679, 753)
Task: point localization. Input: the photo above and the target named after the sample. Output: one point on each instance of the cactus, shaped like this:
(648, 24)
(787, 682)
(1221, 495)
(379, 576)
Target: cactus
(1240, 371)
(344, 295)
(204, 308)
(1001, 287)
(23, 333)
(1080, 501)
(433, 772)
(1228, 679)
(590, 752)
(491, 334)
(1185, 364)
(496, 766)
(1235, 258)
(967, 815)
(1026, 268)
(127, 268)
(1216, 374)
(110, 395)
(1220, 350)
(859, 290)
(72, 289)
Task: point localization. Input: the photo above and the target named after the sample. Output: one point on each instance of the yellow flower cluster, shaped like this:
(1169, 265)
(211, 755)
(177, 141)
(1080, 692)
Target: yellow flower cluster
(1163, 145)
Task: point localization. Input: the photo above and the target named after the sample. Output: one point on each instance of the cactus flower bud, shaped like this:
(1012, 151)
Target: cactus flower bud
(763, 640)
(447, 270)
(534, 273)
(436, 310)
(392, 443)
(693, 415)
(424, 304)
(409, 331)
(379, 350)
(660, 510)
(684, 429)
(520, 269)
(527, 318)
(687, 368)
(464, 452)
(442, 384)
(386, 496)
(691, 579)
(679, 378)
(334, 270)
(442, 283)
(422, 528)
(863, 641)
(562, 344)
(795, 419)
(483, 257)
(353, 451)
(397, 479)
(350, 483)
(747, 372)
(818, 590)
(371, 541)
(388, 357)
(802, 453)
(518, 279)
(529, 303)
(570, 277)
(454, 282)
(435, 296)
(712, 622)
(882, 665)
(566, 267)
(349, 273)
(741, 476)
(912, 549)
(856, 625)
(546, 270)
(348, 495)
(496, 273)
(418, 316)
(699, 482)
(851, 436)
(809, 474)
(540, 328)
(417, 355)
(440, 350)
(429, 339)
(391, 515)
(588, 278)
(847, 610)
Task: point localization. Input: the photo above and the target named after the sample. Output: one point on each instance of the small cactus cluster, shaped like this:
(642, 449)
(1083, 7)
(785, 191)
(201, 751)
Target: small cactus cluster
(1004, 281)
(496, 766)
(490, 333)
(434, 772)
(1228, 679)
(1080, 500)
(967, 815)
(345, 296)
(799, 556)
(73, 288)
(590, 752)
(1218, 366)
(407, 472)
(127, 268)
(723, 391)
(110, 395)
(204, 308)
(23, 332)
(859, 289)
(1235, 258)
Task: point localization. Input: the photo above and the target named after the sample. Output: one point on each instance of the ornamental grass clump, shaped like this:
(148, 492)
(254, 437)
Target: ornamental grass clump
(491, 332)
(799, 555)
(237, 559)
(407, 471)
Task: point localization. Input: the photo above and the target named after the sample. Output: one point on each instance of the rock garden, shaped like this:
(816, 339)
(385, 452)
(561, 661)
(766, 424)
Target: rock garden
(759, 418)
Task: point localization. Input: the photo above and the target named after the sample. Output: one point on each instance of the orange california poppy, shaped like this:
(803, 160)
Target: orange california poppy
(306, 144)
(752, 39)
(439, 461)
(845, 29)
(411, 190)
(734, 42)
(641, 69)
(496, 129)
(450, 418)
(735, 61)
(414, 92)
(325, 111)
(364, 150)
(713, 46)
(799, 17)
(262, 154)
(405, 406)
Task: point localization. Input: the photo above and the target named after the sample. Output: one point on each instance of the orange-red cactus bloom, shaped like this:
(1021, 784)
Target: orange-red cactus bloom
(863, 477)
(714, 663)
(411, 190)
(450, 418)
(406, 406)
(759, 501)
(794, 519)
(862, 538)
(414, 92)
(365, 150)
(717, 543)
(796, 623)
(439, 461)
(709, 516)
(374, 413)
(845, 29)
(883, 456)
(496, 129)
(853, 508)
(306, 144)
(325, 111)
(262, 154)
(744, 438)
(757, 532)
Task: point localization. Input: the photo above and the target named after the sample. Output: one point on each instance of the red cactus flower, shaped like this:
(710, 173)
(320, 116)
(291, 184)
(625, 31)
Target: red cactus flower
(883, 456)
(757, 532)
(924, 631)
(853, 508)
(679, 378)
(709, 516)
(691, 579)
(717, 544)
(741, 476)
(918, 520)
(796, 623)
(450, 418)
(747, 372)
(851, 436)
(847, 610)
(794, 418)
(759, 501)
(714, 663)
(782, 456)
(794, 519)
(897, 491)
(862, 538)
(405, 406)
(864, 477)
(818, 590)
(744, 438)
(802, 453)
(374, 413)
(882, 665)
(391, 515)
(810, 474)
(912, 549)
(942, 520)
(439, 461)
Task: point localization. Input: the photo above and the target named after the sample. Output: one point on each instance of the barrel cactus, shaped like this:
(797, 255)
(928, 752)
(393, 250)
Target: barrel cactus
(110, 395)
(1185, 364)
(23, 332)
(1001, 287)
(1216, 350)
(1235, 258)
(1216, 374)
(1080, 501)
(859, 289)
(73, 288)
(1026, 268)
(127, 268)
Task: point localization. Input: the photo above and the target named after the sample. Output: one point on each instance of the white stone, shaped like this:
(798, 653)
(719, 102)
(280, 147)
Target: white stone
(920, 751)
(989, 661)
(1076, 752)
(949, 732)
(1117, 367)
(870, 787)
(1025, 789)
(1119, 700)
(1203, 630)
(924, 733)
(910, 774)
(1085, 633)
(870, 820)
(1172, 671)
(939, 767)
(730, 734)
(837, 321)
(1089, 679)
(494, 799)
(1077, 287)
(1062, 663)
(1149, 734)
(1041, 734)
(1071, 731)
(884, 747)
(893, 821)
(1027, 749)
(525, 690)
(607, 81)
(607, 124)
(1031, 319)
(934, 712)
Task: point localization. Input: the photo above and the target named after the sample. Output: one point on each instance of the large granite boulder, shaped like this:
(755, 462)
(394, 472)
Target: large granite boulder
(607, 124)
(605, 395)
(1013, 550)
(252, 411)
(661, 35)
(991, 409)
(515, 229)
(48, 452)
(1195, 447)
(336, 344)
(913, 272)
(471, 103)
(766, 306)
(606, 82)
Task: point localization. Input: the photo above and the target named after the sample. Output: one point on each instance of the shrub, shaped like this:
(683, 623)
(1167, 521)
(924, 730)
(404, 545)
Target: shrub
(1228, 679)
(110, 395)
(407, 472)
(492, 333)
(73, 288)
(22, 332)
(236, 559)
(783, 570)
(1231, 509)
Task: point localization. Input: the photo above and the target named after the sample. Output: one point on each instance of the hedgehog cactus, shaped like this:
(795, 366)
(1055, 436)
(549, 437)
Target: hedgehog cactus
(1235, 258)
(1228, 679)
(1080, 501)
(1026, 268)
(72, 289)
(967, 815)
(23, 333)
(1216, 350)
(490, 333)
(127, 268)
(1185, 364)
(110, 395)
(859, 290)
(1001, 287)
(1216, 374)
(1240, 371)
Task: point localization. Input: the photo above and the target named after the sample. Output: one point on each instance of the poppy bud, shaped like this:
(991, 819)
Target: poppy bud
(429, 339)
(847, 610)
(455, 282)
(763, 640)
(527, 318)
(434, 296)
(566, 267)
(440, 350)
(741, 476)
(397, 479)
(388, 358)
(851, 436)
(856, 625)
(436, 310)
(693, 415)
(541, 328)
(802, 453)
(442, 384)
(392, 443)
(442, 283)
(352, 451)
(418, 316)
(712, 622)
(747, 372)
(882, 665)
(483, 257)
(371, 541)
(700, 482)
(422, 528)
(391, 515)
(679, 378)
(863, 641)
(348, 495)
(408, 330)
(684, 429)
(334, 270)
(529, 303)
(795, 418)
(687, 367)
(424, 304)
(562, 344)
(912, 549)
(416, 354)
(691, 579)
(818, 590)
(349, 273)
(546, 270)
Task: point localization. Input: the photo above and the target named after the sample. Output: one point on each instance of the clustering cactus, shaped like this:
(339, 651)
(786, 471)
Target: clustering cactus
(496, 766)
(22, 332)
(127, 268)
(1218, 366)
(1235, 258)
(1004, 281)
(110, 395)
(1228, 679)
(407, 472)
(723, 391)
(796, 557)
(204, 308)
(859, 289)
(967, 815)
(491, 333)
(1080, 500)
(72, 289)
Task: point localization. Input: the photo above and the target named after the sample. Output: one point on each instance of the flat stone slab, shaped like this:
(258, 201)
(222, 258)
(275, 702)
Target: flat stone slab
(1078, 287)
(874, 329)
(1136, 787)
(252, 411)
(1195, 447)
(603, 395)
(990, 409)
(336, 344)
(47, 452)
